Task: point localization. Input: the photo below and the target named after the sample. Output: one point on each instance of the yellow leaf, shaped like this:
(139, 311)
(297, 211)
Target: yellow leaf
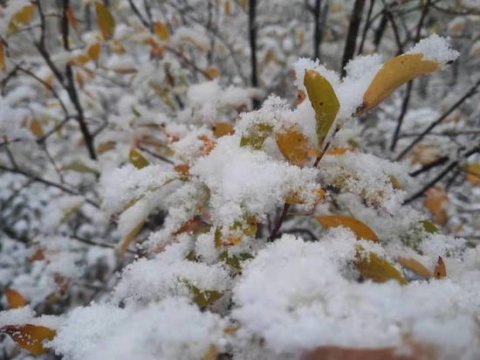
(373, 267)
(93, 51)
(473, 174)
(30, 337)
(105, 20)
(211, 354)
(440, 269)
(256, 135)
(137, 159)
(361, 230)
(22, 17)
(36, 128)
(212, 72)
(393, 74)
(324, 101)
(415, 266)
(3, 65)
(129, 238)
(161, 30)
(222, 129)
(15, 300)
(436, 201)
(340, 150)
(294, 146)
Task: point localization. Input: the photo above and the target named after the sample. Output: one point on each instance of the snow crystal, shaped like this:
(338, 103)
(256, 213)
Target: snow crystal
(170, 330)
(435, 48)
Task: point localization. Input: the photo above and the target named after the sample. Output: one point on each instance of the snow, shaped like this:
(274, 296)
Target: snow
(435, 48)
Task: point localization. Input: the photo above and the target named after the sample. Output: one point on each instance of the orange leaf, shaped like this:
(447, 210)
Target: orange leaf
(36, 128)
(340, 150)
(212, 72)
(93, 51)
(161, 30)
(105, 20)
(440, 269)
(15, 300)
(393, 74)
(222, 129)
(415, 266)
(361, 230)
(294, 146)
(30, 337)
(436, 201)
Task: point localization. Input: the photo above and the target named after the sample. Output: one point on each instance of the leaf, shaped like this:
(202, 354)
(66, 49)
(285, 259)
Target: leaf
(373, 267)
(222, 129)
(361, 230)
(436, 201)
(78, 166)
(256, 135)
(340, 151)
(20, 18)
(129, 238)
(429, 227)
(211, 354)
(161, 30)
(212, 72)
(182, 169)
(440, 269)
(105, 20)
(203, 298)
(30, 337)
(3, 65)
(415, 266)
(293, 145)
(393, 74)
(36, 128)
(72, 20)
(324, 101)
(93, 51)
(15, 300)
(473, 170)
(137, 159)
(105, 147)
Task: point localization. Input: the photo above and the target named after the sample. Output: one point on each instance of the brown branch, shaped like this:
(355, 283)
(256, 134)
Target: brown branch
(351, 41)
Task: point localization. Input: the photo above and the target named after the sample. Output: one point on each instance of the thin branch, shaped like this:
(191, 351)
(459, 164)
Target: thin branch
(278, 224)
(350, 43)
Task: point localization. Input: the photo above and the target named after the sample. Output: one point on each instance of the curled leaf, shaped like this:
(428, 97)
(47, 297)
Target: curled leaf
(361, 230)
(393, 74)
(30, 337)
(324, 101)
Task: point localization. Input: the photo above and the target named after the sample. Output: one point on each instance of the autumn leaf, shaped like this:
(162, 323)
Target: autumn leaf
(36, 128)
(80, 167)
(373, 267)
(72, 20)
(161, 30)
(415, 267)
(137, 159)
(182, 169)
(440, 269)
(203, 298)
(30, 337)
(129, 238)
(3, 65)
(105, 20)
(324, 101)
(473, 172)
(15, 300)
(212, 72)
(211, 353)
(361, 230)
(20, 18)
(393, 74)
(293, 145)
(340, 151)
(256, 136)
(93, 51)
(436, 201)
(222, 129)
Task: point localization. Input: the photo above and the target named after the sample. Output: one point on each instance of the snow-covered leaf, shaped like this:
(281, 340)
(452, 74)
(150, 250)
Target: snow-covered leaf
(361, 230)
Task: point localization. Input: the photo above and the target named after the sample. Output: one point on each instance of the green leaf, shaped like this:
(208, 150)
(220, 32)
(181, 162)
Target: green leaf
(324, 101)
(203, 298)
(429, 227)
(256, 135)
(78, 166)
(137, 159)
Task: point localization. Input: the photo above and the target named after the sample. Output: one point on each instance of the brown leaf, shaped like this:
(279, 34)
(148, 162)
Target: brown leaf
(436, 201)
(105, 20)
(361, 230)
(72, 20)
(440, 269)
(15, 300)
(161, 30)
(3, 65)
(93, 51)
(36, 128)
(373, 267)
(30, 337)
(473, 173)
(222, 129)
